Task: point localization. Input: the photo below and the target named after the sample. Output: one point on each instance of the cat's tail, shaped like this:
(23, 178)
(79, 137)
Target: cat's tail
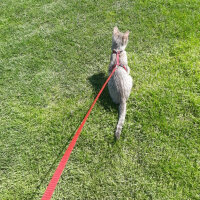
(122, 115)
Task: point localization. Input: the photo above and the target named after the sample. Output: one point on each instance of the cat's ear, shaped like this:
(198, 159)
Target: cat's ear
(126, 34)
(115, 30)
(125, 37)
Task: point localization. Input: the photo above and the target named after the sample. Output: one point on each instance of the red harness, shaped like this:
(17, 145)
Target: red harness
(118, 64)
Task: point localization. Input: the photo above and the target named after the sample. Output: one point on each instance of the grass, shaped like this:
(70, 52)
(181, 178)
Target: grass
(53, 60)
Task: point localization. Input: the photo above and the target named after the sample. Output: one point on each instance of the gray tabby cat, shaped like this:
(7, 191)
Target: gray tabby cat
(120, 84)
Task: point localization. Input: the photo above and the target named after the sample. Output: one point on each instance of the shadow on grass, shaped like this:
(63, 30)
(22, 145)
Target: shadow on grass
(97, 81)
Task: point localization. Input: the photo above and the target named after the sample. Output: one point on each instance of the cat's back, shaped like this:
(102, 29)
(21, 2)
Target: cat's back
(120, 85)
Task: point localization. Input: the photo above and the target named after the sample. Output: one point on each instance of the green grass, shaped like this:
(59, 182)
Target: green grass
(53, 60)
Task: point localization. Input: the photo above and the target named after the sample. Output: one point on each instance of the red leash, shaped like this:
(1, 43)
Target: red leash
(54, 180)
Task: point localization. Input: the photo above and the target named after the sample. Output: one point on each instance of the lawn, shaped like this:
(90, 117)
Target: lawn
(54, 57)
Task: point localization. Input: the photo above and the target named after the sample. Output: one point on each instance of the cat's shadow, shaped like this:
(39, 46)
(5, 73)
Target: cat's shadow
(97, 81)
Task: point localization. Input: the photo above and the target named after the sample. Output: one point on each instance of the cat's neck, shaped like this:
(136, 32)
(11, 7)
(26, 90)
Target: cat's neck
(118, 50)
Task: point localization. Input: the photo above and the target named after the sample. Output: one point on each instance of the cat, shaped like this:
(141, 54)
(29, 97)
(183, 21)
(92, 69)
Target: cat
(121, 82)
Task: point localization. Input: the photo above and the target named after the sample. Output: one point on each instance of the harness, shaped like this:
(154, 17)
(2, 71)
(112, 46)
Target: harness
(118, 64)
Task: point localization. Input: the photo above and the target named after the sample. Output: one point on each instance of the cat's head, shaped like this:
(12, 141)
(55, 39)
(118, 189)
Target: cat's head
(119, 40)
